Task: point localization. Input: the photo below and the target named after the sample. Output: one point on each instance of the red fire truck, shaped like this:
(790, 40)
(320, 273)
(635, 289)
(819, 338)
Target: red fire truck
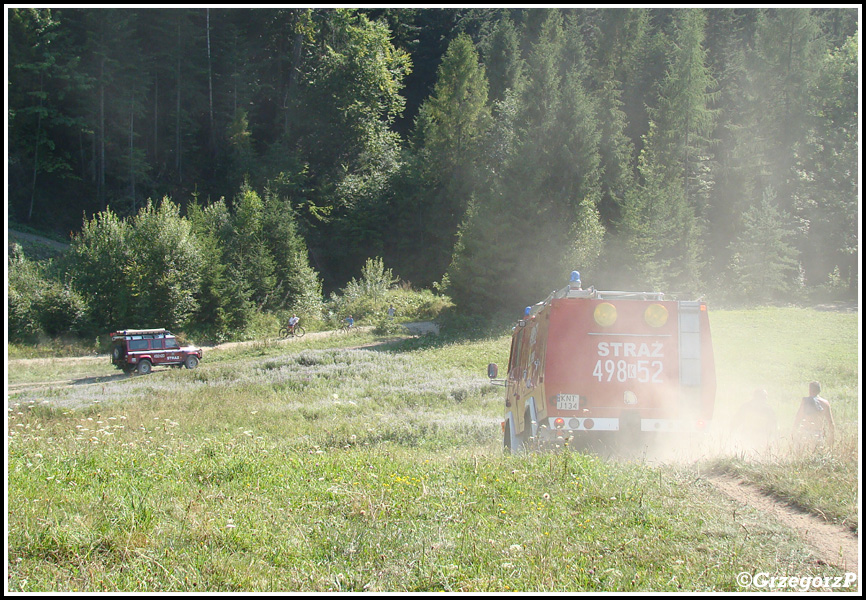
(591, 364)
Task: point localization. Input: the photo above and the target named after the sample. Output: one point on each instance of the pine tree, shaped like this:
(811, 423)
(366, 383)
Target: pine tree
(223, 298)
(683, 116)
(788, 48)
(764, 262)
(250, 255)
(297, 286)
(43, 77)
(659, 233)
(827, 162)
(661, 220)
(502, 60)
(449, 135)
(538, 214)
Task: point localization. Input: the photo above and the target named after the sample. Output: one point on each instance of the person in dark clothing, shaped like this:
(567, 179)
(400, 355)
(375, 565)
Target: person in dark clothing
(814, 420)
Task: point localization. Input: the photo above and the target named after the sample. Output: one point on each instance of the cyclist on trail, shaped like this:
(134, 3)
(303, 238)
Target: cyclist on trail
(350, 322)
(292, 322)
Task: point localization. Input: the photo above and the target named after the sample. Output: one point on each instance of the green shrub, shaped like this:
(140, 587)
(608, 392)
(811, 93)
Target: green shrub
(39, 304)
(386, 326)
(61, 310)
(24, 283)
(370, 297)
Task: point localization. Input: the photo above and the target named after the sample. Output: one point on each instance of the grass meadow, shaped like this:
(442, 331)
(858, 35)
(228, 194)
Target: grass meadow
(304, 466)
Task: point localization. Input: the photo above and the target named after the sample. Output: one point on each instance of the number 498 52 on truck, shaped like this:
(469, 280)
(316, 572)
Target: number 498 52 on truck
(590, 364)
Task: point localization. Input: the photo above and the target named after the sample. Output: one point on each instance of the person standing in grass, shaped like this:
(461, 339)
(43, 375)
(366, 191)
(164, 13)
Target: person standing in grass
(814, 420)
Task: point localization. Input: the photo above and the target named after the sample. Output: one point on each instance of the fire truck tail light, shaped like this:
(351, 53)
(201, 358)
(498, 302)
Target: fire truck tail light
(701, 424)
(605, 314)
(574, 423)
(559, 423)
(655, 315)
(588, 423)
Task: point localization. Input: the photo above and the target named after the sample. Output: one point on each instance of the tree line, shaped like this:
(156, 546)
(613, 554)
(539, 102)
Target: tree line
(484, 153)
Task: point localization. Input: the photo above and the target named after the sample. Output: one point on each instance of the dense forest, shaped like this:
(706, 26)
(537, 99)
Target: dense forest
(483, 153)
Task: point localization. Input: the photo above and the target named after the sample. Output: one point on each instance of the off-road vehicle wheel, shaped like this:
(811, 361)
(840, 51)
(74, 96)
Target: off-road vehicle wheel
(191, 362)
(144, 367)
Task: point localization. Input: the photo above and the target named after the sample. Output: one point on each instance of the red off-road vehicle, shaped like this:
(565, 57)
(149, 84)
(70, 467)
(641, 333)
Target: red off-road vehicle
(142, 349)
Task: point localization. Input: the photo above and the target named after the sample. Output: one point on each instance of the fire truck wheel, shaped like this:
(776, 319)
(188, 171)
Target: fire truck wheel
(144, 367)
(508, 442)
(526, 434)
(191, 362)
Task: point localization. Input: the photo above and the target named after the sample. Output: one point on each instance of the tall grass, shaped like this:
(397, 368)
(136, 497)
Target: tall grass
(302, 467)
(782, 350)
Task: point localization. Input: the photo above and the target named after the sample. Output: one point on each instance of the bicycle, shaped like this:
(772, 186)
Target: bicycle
(296, 331)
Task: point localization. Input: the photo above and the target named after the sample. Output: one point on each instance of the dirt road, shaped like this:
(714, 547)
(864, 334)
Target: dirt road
(413, 329)
(832, 544)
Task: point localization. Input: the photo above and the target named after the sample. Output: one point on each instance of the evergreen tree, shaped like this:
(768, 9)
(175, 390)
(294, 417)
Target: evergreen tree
(663, 124)
(555, 173)
(297, 285)
(658, 232)
(625, 55)
(662, 217)
(788, 48)
(683, 116)
(250, 257)
(502, 61)
(764, 262)
(828, 170)
(448, 137)
(737, 157)
(43, 78)
(615, 153)
(223, 298)
(539, 218)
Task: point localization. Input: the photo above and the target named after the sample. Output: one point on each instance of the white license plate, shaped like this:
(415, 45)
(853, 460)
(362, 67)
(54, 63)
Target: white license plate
(568, 402)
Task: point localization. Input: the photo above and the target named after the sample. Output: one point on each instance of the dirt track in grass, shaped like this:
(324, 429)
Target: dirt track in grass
(832, 544)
